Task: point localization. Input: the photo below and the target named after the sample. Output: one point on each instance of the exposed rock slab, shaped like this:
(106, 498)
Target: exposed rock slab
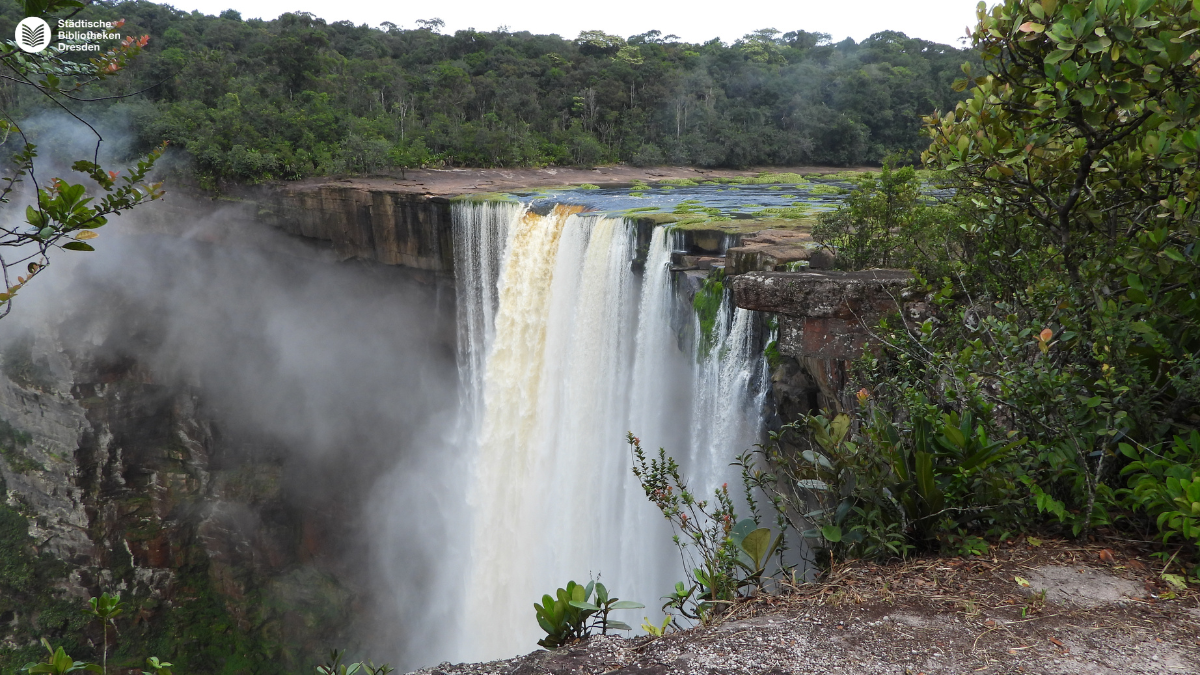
(776, 250)
(1083, 587)
(824, 315)
(824, 294)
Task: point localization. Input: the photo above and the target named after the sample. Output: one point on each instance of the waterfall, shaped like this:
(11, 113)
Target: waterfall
(480, 232)
(731, 383)
(564, 349)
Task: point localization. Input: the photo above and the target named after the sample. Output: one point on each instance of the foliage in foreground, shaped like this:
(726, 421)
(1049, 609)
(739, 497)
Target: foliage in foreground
(1066, 314)
(1047, 373)
(886, 221)
(573, 615)
(63, 215)
(729, 558)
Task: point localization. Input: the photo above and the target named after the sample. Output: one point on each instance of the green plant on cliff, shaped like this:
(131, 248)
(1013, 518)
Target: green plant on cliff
(563, 621)
(13, 444)
(58, 663)
(602, 607)
(334, 666)
(105, 609)
(573, 614)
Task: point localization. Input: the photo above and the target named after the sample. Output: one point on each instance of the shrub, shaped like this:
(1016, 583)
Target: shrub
(725, 558)
(648, 154)
(886, 222)
(571, 615)
(1166, 486)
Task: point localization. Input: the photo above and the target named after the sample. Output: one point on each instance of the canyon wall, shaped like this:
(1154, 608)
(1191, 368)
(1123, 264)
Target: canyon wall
(390, 227)
(117, 479)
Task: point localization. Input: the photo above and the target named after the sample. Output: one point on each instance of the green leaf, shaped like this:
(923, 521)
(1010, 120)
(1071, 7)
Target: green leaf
(618, 625)
(832, 533)
(757, 544)
(77, 246)
(926, 483)
(1176, 581)
(744, 527)
(838, 427)
(956, 437)
(584, 605)
(627, 604)
(1056, 56)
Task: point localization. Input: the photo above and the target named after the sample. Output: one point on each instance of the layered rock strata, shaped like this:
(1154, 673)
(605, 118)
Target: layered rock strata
(825, 322)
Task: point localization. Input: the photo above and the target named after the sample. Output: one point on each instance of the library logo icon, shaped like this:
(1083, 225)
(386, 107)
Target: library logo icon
(33, 34)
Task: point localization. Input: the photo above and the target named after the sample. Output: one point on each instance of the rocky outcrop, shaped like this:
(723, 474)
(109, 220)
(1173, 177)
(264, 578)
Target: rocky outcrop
(825, 321)
(777, 250)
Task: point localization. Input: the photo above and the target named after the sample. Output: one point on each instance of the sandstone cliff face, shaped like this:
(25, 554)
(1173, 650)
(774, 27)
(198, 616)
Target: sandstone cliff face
(389, 227)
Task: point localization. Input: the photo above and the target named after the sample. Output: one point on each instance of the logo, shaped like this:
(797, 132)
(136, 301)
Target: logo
(33, 34)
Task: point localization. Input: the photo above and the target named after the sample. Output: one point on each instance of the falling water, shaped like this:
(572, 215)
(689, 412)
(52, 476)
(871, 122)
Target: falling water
(480, 231)
(730, 386)
(565, 349)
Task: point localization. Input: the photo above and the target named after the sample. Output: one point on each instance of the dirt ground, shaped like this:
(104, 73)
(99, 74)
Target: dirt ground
(463, 181)
(1049, 609)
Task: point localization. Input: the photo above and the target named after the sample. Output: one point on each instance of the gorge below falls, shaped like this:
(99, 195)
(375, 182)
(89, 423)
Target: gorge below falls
(392, 421)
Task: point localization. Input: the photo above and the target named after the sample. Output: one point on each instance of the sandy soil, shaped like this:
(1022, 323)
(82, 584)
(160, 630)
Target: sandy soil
(448, 182)
(1104, 611)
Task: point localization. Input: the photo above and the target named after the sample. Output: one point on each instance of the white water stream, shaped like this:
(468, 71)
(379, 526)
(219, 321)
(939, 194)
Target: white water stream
(562, 350)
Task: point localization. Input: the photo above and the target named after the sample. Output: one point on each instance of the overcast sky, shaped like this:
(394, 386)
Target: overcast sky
(696, 21)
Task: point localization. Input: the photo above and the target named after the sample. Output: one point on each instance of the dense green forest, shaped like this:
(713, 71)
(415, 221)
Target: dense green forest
(251, 100)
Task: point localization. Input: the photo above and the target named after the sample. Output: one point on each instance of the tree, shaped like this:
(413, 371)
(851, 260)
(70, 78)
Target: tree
(63, 216)
(1081, 134)
(1076, 159)
(884, 222)
(762, 46)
